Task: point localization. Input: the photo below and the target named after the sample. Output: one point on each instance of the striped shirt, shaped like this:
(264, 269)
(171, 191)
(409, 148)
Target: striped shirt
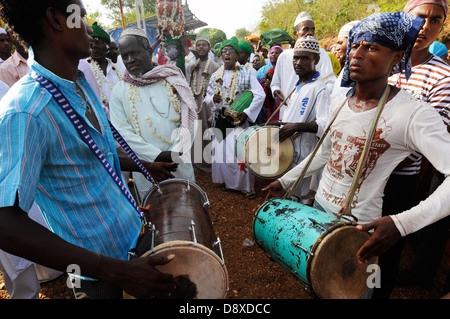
(429, 82)
(43, 159)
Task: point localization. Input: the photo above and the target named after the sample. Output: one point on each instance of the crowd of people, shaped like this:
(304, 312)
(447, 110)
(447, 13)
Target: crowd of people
(76, 101)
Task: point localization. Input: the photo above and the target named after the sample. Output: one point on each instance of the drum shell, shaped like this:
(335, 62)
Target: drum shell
(282, 226)
(172, 212)
(181, 225)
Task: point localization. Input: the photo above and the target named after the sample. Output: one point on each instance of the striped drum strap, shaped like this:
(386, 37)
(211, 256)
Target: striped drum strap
(73, 116)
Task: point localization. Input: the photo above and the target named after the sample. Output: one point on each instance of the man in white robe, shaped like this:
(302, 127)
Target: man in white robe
(306, 115)
(285, 78)
(153, 109)
(225, 87)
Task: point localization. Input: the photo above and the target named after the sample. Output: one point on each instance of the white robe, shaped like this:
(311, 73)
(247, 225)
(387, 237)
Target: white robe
(285, 78)
(225, 167)
(151, 127)
(309, 103)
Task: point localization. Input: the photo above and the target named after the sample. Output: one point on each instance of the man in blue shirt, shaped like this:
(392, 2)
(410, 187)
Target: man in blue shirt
(43, 158)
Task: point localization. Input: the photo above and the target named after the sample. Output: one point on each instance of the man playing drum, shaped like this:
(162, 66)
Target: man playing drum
(376, 45)
(44, 159)
(225, 87)
(306, 115)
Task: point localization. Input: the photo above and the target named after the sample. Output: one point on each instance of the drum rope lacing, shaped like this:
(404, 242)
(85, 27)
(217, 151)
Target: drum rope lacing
(82, 131)
(346, 208)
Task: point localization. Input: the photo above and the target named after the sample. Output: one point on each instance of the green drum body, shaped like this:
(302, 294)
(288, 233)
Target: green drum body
(317, 250)
(239, 106)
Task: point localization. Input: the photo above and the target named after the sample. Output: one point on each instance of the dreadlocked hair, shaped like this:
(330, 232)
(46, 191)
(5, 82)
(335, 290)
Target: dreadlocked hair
(24, 17)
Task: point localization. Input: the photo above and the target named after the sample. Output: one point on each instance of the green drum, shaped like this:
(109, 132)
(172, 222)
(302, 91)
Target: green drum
(317, 250)
(240, 105)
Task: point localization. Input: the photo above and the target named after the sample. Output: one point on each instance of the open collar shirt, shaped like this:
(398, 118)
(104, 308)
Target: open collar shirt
(43, 159)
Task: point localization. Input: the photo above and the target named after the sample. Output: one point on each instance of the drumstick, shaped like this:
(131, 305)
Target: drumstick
(279, 107)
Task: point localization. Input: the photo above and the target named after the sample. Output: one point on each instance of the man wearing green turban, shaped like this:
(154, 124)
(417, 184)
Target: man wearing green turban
(244, 56)
(107, 74)
(233, 42)
(100, 33)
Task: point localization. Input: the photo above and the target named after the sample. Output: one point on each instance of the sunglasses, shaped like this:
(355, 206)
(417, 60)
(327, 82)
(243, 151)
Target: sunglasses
(231, 50)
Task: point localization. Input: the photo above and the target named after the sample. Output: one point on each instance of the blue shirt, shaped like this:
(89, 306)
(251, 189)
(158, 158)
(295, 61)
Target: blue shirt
(43, 159)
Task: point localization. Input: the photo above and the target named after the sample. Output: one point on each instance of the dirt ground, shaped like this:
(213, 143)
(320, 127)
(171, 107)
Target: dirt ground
(252, 273)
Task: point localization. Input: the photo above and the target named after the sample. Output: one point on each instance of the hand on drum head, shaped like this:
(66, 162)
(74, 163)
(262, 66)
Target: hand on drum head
(161, 171)
(275, 190)
(143, 281)
(288, 130)
(169, 157)
(385, 236)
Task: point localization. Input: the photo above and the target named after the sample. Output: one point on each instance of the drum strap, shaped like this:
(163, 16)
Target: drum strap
(346, 209)
(82, 131)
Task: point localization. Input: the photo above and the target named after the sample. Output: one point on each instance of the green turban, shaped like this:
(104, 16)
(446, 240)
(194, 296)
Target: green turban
(100, 33)
(233, 42)
(245, 47)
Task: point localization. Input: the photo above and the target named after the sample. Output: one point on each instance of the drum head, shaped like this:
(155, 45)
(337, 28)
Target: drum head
(334, 271)
(266, 158)
(198, 271)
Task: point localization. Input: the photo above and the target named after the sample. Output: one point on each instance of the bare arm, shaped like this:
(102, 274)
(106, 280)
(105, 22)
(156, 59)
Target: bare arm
(21, 236)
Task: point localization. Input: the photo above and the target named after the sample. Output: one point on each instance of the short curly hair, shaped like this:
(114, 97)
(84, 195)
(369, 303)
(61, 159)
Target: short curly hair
(24, 17)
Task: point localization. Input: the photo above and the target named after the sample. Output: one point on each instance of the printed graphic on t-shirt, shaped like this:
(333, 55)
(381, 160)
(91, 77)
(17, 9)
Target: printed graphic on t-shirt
(345, 156)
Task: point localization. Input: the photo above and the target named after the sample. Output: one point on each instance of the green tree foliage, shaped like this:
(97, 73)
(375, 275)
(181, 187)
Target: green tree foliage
(242, 33)
(215, 35)
(329, 15)
(129, 10)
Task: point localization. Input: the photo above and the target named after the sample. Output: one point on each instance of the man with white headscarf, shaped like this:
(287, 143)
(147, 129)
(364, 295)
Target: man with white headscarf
(285, 78)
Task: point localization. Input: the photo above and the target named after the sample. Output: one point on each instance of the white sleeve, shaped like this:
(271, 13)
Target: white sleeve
(428, 135)
(322, 111)
(258, 98)
(278, 74)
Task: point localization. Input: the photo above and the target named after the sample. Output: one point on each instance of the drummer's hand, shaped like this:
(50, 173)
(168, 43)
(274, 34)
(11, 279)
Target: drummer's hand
(217, 98)
(242, 118)
(288, 130)
(141, 280)
(161, 171)
(275, 190)
(385, 236)
(168, 157)
(278, 94)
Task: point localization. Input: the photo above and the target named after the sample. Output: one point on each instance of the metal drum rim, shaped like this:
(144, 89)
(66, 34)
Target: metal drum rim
(167, 181)
(246, 162)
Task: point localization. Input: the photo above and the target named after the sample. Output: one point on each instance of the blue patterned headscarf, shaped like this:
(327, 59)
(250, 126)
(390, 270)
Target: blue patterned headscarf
(395, 30)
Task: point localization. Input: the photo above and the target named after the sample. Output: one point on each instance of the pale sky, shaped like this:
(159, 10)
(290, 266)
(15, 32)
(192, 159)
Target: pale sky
(227, 15)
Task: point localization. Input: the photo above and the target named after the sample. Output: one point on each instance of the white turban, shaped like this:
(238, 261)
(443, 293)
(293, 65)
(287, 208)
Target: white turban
(345, 30)
(303, 16)
(2, 31)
